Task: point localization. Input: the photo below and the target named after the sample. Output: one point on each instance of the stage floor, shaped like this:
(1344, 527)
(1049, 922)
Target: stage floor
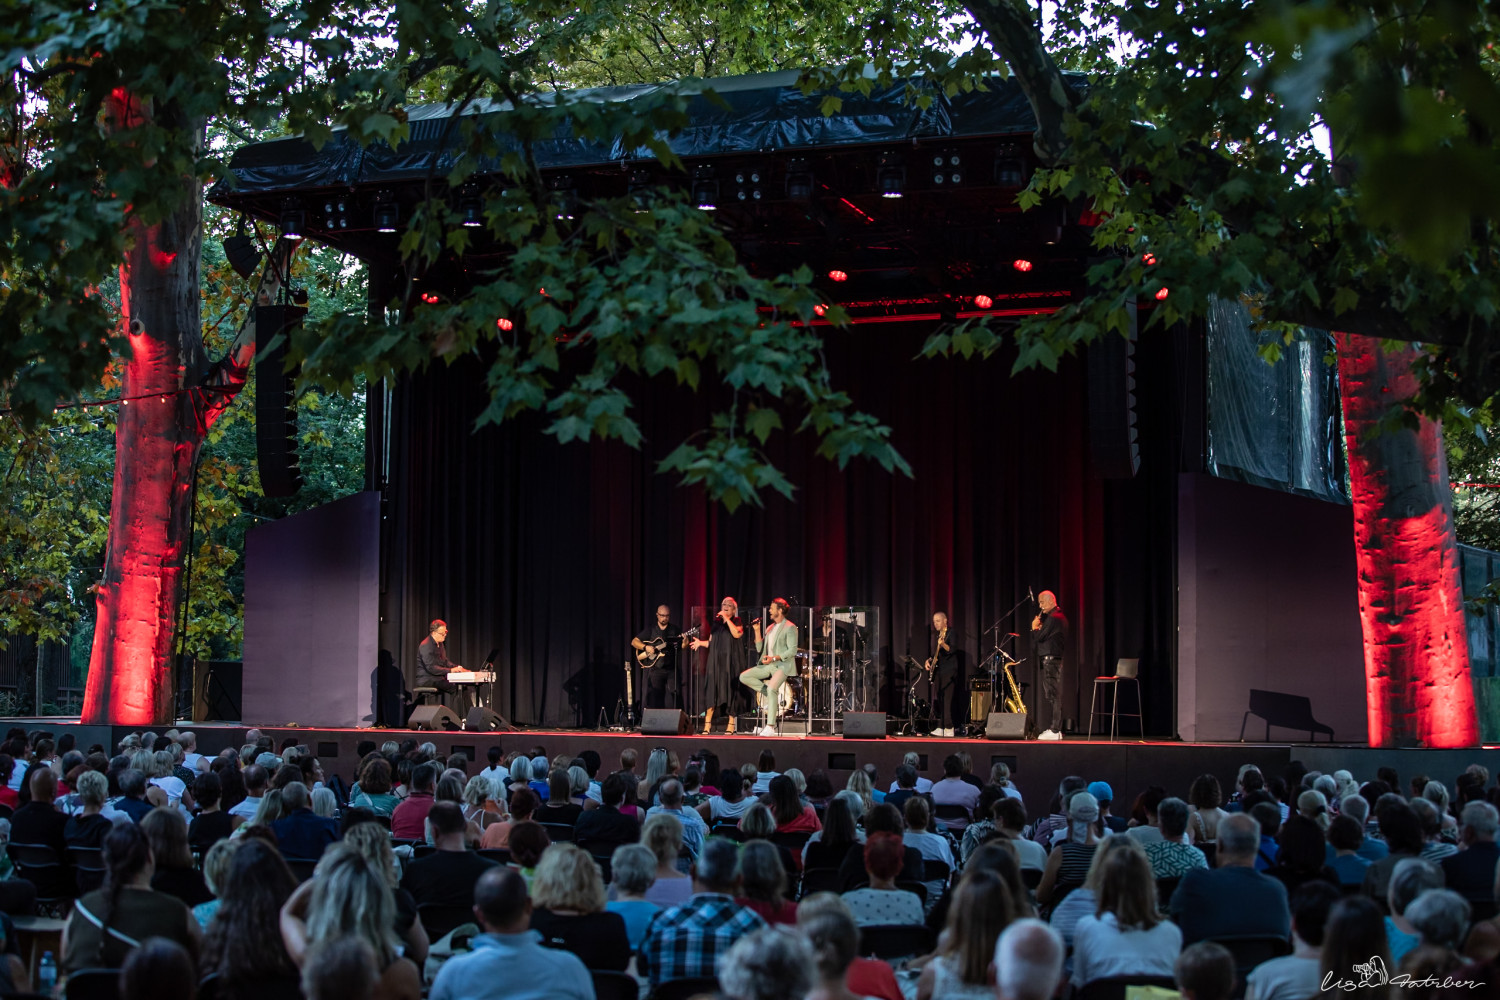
(1128, 765)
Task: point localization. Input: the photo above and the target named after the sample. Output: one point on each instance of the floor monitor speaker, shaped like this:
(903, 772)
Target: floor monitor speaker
(664, 722)
(864, 725)
(484, 720)
(1005, 726)
(433, 717)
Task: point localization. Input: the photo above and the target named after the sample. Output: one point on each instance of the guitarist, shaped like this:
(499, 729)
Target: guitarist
(661, 674)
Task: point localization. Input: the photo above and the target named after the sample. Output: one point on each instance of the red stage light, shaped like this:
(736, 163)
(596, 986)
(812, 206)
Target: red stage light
(430, 298)
(983, 302)
(820, 309)
(1161, 295)
(1148, 259)
(505, 324)
(837, 276)
(1021, 264)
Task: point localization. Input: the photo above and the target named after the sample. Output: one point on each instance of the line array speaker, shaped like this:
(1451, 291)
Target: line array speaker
(276, 402)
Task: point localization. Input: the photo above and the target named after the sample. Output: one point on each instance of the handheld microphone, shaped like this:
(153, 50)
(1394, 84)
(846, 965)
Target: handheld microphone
(755, 621)
(1029, 595)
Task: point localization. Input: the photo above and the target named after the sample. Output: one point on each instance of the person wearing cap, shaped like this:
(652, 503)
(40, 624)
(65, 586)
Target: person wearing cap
(1105, 795)
(1068, 865)
(778, 649)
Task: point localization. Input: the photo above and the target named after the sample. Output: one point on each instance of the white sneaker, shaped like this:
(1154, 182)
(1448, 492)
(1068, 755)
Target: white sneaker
(766, 731)
(1050, 734)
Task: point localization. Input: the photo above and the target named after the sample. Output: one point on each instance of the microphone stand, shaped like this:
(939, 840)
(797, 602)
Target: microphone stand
(999, 656)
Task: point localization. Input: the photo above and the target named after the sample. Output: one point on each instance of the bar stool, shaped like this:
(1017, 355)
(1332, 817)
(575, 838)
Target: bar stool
(1125, 670)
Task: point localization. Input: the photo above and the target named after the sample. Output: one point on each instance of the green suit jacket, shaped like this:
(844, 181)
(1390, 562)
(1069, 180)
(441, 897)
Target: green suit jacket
(783, 647)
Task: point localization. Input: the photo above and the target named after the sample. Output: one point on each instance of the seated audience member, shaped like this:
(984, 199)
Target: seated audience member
(1434, 847)
(215, 872)
(243, 941)
(1145, 822)
(934, 847)
(480, 807)
(1068, 864)
(540, 769)
(341, 968)
(1234, 898)
(881, 902)
(1297, 976)
(1471, 872)
(497, 773)
(731, 802)
(1171, 856)
(1357, 808)
(371, 840)
(9, 796)
(759, 824)
(842, 974)
(1205, 796)
(257, 780)
(662, 834)
(905, 787)
(159, 967)
(1125, 937)
(1010, 821)
(829, 846)
(523, 807)
(375, 789)
(1441, 918)
(1402, 832)
(859, 783)
(605, 827)
(979, 912)
(632, 872)
(765, 770)
(999, 857)
(884, 818)
(686, 941)
(212, 824)
(819, 791)
(1029, 962)
(89, 827)
(132, 801)
(567, 897)
(1268, 815)
(175, 874)
(349, 896)
(767, 965)
(1205, 971)
(763, 883)
(792, 815)
(1058, 819)
(953, 790)
(528, 842)
(1105, 796)
(913, 760)
(38, 821)
(1300, 854)
(559, 807)
(408, 820)
(447, 875)
(450, 788)
(1410, 878)
(1344, 838)
(106, 924)
(301, 832)
(160, 767)
(507, 961)
(983, 827)
(693, 827)
(1353, 936)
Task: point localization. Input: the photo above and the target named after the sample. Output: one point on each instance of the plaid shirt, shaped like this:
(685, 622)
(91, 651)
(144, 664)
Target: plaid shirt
(685, 941)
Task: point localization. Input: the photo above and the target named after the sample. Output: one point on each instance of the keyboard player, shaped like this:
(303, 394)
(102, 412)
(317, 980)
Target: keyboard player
(433, 663)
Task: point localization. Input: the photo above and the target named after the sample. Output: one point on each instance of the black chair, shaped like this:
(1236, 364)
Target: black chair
(1164, 889)
(610, 985)
(93, 984)
(819, 880)
(1113, 987)
(919, 888)
(559, 832)
(935, 871)
(685, 989)
(893, 941)
(954, 811)
(40, 865)
(603, 855)
(423, 850)
(6, 812)
(88, 868)
(793, 842)
(1210, 852)
(407, 842)
(210, 987)
(383, 820)
(1482, 909)
(721, 828)
(1249, 950)
(302, 868)
(1287, 711)
(440, 918)
(499, 855)
(1031, 878)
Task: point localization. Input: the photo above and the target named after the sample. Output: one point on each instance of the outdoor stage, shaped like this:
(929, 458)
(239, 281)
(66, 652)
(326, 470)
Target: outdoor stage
(1036, 766)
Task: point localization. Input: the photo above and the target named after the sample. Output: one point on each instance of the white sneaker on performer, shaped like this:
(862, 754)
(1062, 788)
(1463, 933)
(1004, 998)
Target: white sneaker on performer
(1050, 734)
(767, 731)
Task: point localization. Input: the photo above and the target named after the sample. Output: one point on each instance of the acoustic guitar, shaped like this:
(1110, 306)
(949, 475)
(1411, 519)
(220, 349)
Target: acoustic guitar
(657, 648)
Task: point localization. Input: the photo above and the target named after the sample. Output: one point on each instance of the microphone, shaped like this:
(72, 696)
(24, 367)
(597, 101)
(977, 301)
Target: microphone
(1014, 635)
(755, 621)
(1029, 595)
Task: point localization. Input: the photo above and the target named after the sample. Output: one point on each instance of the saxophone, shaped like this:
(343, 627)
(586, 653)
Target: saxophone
(1013, 702)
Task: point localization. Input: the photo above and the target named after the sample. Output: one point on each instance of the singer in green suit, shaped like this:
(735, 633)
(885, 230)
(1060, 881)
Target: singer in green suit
(778, 649)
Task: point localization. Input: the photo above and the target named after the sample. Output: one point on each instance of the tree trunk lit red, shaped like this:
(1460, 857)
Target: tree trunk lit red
(1417, 686)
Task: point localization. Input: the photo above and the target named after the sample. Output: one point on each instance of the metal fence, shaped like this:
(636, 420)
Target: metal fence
(28, 667)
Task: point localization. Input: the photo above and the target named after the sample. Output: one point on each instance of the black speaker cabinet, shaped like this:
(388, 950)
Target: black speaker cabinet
(217, 685)
(484, 720)
(664, 722)
(433, 717)
(864, 725)
(1005, 726)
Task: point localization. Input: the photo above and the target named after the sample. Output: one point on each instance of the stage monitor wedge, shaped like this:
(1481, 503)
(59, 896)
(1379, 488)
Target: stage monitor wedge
(484, 720)
(433, 718)
(864, 725)
(664, 722)
(1005, 726)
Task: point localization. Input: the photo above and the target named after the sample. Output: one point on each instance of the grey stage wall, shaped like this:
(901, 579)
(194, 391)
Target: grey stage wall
(312, 615)
(1267, 599)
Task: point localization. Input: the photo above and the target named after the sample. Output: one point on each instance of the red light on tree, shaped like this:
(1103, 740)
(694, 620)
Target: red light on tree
(1022, 264)
(1148, 259)
(837, 276)
(430, 298)
(505, 324)
(820, 309)
(1161, 295)
(983, 302)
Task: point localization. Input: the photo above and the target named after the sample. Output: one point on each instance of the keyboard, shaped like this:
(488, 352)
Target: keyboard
(471, 676)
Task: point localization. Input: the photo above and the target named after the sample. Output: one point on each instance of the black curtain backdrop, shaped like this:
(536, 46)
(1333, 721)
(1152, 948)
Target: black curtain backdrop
(556, 554)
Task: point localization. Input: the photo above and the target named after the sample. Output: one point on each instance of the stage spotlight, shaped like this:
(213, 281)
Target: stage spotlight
(1010, 171)
(1022, 264)
(945, 168)
(983, 302)
(641, 188)
(387, 213)
(564, 197)
(1161, 295)
(837, 275)
(241, 252)
(820, 309)
(705, 188)
(335, 214)
(505, 324)
(799, 180)
(293, 219)
(470, 208)
(747, 185)
(890, 176)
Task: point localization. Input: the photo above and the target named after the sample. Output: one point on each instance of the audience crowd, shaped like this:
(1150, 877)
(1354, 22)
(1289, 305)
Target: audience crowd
(255, 873)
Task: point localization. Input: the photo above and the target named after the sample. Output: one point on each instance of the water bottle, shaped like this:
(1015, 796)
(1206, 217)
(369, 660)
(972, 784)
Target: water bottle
(46, 974)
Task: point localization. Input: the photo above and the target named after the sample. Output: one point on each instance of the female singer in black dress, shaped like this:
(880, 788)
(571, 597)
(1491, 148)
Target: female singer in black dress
(726, 658)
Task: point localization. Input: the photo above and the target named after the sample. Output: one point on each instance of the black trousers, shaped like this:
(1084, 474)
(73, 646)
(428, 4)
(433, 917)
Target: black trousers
(1049, 706)
(943, 690)
(658, 679)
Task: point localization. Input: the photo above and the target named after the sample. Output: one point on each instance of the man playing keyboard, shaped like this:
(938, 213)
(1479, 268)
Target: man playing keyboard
(433, 663)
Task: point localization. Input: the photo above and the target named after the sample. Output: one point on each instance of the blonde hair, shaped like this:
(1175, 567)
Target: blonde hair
(798, 779)
(374, 842)
(351, 896)
(216, 862)
(859, 783)
(269, 810)
(1106, 847)
(478, 791)
(663, 835)
(1126, 888)
(758, 821)
(567, 878)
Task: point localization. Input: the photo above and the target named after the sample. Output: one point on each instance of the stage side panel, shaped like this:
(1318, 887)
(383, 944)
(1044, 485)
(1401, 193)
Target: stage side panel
(311, 615)
(1269, 601)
